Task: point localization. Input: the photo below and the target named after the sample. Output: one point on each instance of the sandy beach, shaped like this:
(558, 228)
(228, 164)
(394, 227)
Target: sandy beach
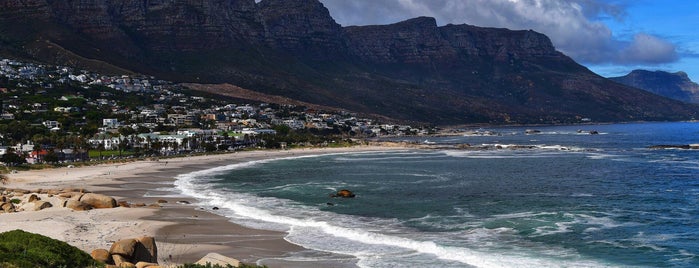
(184, 232)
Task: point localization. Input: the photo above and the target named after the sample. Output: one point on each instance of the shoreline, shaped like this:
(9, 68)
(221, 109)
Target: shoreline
(184, 232)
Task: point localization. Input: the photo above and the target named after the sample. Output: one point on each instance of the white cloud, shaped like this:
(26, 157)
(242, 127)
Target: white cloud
(572, 25)
(648, 49)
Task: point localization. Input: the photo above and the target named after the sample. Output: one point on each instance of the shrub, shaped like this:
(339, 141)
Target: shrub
(15, 201)
(22, 249)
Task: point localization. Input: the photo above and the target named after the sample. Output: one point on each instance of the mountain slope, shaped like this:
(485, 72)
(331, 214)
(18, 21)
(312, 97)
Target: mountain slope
(676, 86)
(412, 70)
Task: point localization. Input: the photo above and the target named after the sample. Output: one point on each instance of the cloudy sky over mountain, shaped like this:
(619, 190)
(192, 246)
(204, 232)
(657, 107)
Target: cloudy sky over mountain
(612, 37)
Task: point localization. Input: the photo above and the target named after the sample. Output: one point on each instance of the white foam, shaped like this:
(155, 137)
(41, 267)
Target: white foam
(309, 227)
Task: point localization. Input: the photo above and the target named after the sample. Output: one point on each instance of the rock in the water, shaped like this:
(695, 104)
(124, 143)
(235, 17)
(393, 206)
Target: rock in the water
(344, 194)
(145, 250)
(215, 258)
(124, 247)
(101, 255)
(98, 200)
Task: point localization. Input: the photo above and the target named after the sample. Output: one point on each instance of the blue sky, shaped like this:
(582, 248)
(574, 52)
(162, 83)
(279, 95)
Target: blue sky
(611, 37)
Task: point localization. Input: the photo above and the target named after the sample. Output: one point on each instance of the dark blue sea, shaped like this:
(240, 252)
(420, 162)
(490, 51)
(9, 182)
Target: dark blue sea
(559, 198)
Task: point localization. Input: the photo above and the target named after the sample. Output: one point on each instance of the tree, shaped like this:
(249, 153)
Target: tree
(12, 159)
(51, 157)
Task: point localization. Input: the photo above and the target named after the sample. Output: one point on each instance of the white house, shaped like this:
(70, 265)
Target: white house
(110, 123)
(51, 124)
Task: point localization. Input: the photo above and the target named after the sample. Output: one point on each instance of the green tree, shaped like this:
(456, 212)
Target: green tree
(12, 159)
(51, 157)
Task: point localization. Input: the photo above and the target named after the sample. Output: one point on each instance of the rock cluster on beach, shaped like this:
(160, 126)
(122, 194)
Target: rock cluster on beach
(139, 252)
(77, 199)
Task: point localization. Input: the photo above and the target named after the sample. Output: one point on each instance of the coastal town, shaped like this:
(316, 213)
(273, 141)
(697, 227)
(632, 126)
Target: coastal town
(58, 114)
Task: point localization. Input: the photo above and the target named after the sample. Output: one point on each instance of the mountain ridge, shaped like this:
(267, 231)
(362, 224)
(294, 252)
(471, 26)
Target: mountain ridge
(676, 85)
(412, 70)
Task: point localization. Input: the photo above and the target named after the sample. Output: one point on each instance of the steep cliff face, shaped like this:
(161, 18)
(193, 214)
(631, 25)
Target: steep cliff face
(414, 41)
(411, 70)
(302, 27)
(421, 41)
(24, 9)
(672, 85)
(162, 25)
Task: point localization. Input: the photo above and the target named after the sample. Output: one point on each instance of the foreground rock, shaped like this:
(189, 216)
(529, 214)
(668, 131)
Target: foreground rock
(139, 252)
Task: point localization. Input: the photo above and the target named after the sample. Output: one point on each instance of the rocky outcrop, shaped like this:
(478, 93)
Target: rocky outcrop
(17, 200)
(136, 252)
(101, 255)
(124, 247)
(146, 250)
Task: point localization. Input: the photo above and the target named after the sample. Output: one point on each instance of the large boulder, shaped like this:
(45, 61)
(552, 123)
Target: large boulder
(33, 198)
(124, 247)
(98, 200)
(76, 205)
(39, 205)
(215, 258)
(145, 250)
(7, 207)
(122, 262)
(101, 255)
(71, 195)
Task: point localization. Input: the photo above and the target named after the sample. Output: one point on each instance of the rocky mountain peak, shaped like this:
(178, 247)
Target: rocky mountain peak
(303, 27)
(672, 85)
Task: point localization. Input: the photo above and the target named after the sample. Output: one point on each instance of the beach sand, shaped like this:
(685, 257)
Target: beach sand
(184, 232)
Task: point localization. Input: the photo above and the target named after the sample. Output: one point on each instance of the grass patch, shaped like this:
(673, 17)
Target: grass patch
(96, 154)
(22, 249)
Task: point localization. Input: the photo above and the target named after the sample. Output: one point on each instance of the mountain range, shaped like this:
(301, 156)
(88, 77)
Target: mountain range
(676, 86)
(413, 70)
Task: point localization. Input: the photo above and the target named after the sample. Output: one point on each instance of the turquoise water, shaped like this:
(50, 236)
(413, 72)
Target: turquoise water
(568, 199)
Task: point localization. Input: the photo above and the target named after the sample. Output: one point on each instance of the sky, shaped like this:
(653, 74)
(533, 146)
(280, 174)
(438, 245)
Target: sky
(610, 37)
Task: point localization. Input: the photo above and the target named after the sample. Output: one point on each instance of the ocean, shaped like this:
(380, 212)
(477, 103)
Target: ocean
(559, 198)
